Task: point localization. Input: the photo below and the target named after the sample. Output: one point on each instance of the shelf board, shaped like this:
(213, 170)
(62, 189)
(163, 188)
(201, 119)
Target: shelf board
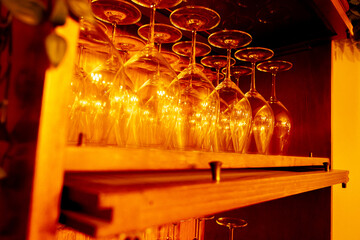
(106, 203)
(113, 159)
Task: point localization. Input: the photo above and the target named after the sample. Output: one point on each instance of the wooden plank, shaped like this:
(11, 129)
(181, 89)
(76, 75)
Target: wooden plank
(113, 158)
(334, 14)
(143, 200)
(342, 7)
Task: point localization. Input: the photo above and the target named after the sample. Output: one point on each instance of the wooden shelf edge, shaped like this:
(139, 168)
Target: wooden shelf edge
(138, 209)
(113, 159)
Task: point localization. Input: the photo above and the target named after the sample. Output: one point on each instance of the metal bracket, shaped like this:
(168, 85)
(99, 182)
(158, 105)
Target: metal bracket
(215, 170)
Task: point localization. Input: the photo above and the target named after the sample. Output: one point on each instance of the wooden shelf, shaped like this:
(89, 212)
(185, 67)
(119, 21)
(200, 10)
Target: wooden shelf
(114, 158)
(105, 203)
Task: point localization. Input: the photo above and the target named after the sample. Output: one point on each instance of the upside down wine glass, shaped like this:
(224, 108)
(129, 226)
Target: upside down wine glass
(91, 112)
(263, 119)
(199, 102)
(155, 107)
(111, 88)
(235, 111)
(231, 223)
(283, 122)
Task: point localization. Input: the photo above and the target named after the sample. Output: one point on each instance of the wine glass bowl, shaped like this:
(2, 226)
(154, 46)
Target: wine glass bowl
(263, 116)
(280, 140)
(235, 111)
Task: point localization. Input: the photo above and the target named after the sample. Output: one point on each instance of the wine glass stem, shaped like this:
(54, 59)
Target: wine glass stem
(80, 59)
(113, 32)
(273, 89)
(152, 25)
(231, 233)
(193, 48)
(217, 76)
(252, 85)
(227, 77)
(197, 223)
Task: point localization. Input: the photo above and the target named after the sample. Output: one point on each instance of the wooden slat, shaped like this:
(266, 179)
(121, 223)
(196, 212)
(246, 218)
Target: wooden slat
(142, 200)
(342, 7)
(113, 158)
(334, 14)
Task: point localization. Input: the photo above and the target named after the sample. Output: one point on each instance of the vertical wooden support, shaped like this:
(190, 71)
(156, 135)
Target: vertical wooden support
(48, 172)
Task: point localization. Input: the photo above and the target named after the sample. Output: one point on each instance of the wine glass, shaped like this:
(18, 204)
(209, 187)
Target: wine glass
(235, 110)
(231, 223)
(92, 112)
(115, 12)
(156, 105)
(199, 103)
(283, 122)
(217, 62)
(263, 116)
(238, 71)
